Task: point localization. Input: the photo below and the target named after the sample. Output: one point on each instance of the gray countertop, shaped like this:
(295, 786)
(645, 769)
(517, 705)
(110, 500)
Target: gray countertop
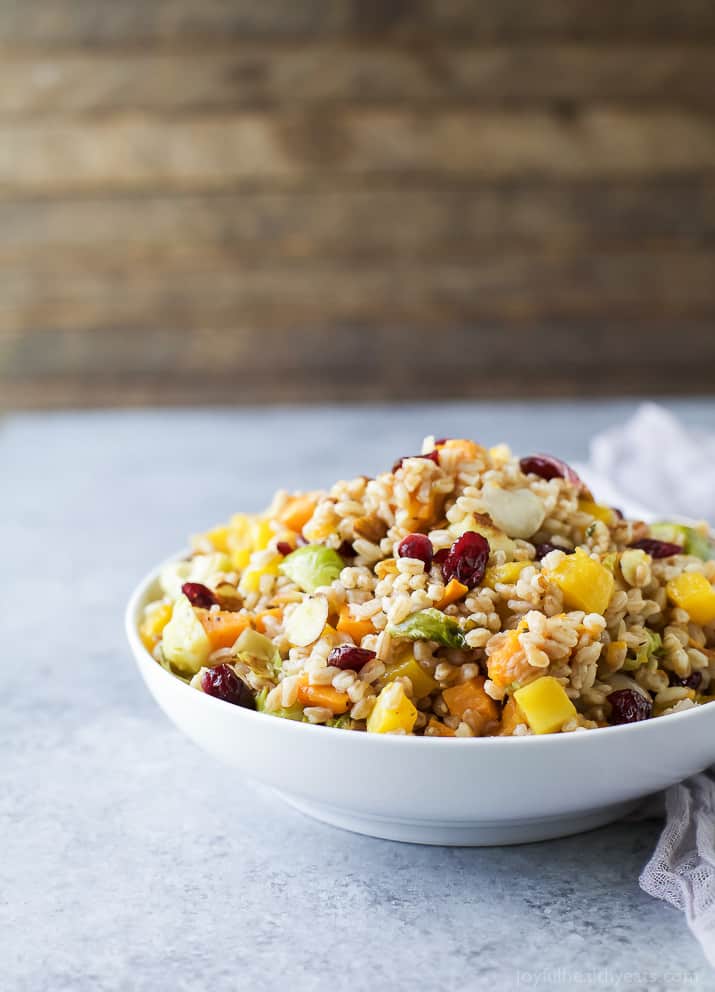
(131, 861)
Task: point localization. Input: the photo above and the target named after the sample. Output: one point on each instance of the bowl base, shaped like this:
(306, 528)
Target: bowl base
(464, 834)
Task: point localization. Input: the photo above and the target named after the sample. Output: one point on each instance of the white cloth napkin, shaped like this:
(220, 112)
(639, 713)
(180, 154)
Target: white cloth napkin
(653, 466)
(682, 869)
(658, 465)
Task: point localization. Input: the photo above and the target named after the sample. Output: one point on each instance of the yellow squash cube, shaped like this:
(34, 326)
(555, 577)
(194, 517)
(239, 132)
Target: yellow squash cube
(422, 682)
(393, 711)
(152, 626)
(545, 705)
(507, 573)
(692, 592)
(216, 538)
(597, 510)
(251, 578)
(261, 533)
(247, 532)
(238, 540)
(585, 583)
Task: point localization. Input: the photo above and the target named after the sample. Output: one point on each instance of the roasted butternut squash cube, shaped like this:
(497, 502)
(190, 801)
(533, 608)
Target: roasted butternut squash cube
(508, 664)
(357, 629)
(470, 695)
(435, 728)
(511, 717)
(222, 627)
(454, 590)
(298, 511)
(324, 695)
(466, 449)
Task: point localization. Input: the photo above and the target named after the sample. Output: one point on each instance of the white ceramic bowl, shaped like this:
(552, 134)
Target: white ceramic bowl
(494, 790)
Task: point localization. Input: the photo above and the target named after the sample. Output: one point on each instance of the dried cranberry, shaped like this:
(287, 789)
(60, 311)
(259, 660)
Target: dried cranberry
(657, 549)
(440, 441)
(346, 550)
(548, 467)
(467, 559)
(223, 683)
(432, 455)
(440, 556)
(544, 549)
(691, 681)
(284, 548)
(199, 595)
(347, 656)
(416, 546)
(629, 706)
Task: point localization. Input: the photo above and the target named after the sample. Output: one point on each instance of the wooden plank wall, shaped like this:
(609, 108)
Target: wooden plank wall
(230, 201)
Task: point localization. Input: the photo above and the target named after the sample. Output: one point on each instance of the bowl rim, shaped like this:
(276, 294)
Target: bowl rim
(144, 660)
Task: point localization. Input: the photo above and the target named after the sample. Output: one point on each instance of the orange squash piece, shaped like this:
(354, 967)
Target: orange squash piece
(275, 611)
(470, 695)
(297, 512)
(324, 695)
(222, 626)
(423, 513)
(357, 629)
(511, 717)
(466, 449)
(435, 728)
(453, 591)
(508, 663)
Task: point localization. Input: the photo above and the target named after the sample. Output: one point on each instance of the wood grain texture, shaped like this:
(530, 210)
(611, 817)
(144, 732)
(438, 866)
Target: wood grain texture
(359, 364)
(226, 291)
(229, 202)
(259, 149)
(136, 21)
(428, 224)
(258, 76)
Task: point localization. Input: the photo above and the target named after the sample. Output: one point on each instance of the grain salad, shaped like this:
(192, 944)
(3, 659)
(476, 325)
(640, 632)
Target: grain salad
(462, 593)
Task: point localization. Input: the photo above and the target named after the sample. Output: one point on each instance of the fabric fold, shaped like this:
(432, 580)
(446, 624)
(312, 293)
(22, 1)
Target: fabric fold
(630, 461)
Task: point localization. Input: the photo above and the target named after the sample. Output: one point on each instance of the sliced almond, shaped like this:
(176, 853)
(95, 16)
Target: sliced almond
(306, 622)
(518, 512)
